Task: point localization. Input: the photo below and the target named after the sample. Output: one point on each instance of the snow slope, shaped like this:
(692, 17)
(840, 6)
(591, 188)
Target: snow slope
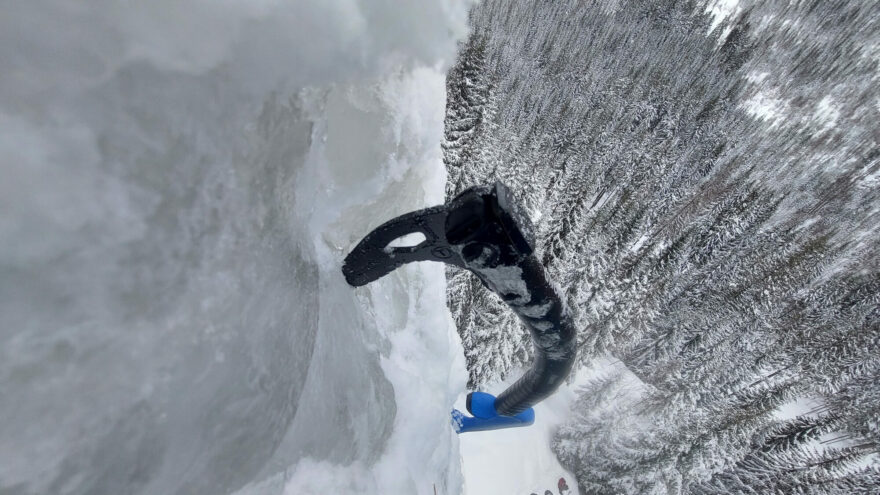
(520, 460)
(181, 180)
(517, 460)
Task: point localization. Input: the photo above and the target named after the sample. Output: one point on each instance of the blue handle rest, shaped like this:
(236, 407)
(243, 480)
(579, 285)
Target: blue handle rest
(482, 406)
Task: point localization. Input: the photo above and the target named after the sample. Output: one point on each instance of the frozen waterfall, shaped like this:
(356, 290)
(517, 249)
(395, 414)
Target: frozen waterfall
(180, 181)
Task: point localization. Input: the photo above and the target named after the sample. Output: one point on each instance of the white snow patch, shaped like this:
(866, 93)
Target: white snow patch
(797, 407)
(408, 240)
(826, 114)
(757, 78)
(806, 406)
(536, 215)
(639, 243)
(520, 460)
(766, 107)
(721, 11)
(807, 223)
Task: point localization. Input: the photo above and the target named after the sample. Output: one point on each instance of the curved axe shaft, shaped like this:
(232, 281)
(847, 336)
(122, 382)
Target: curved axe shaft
(483, 230)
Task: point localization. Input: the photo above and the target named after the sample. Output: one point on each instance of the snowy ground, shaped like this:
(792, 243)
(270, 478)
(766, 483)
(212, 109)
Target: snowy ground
(520, 460)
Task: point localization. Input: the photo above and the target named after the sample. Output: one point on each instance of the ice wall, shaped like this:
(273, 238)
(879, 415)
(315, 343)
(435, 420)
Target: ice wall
(180, 180)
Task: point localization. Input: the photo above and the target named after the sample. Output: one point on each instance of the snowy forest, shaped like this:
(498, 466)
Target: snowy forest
(704, 183)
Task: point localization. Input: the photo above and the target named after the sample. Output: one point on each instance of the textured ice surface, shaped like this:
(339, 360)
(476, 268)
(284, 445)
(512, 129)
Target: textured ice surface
(180, 181)
(519, 460)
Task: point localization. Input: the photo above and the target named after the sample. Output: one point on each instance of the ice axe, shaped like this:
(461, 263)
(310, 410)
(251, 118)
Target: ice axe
(483, 230)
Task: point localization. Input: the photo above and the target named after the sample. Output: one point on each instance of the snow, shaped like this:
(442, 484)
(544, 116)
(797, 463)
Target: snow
(765, 106)
(181, 180)
(806, 406)
(826, 114)
(798, 407)
(408, 240)
(520, 460)
(639, 243)
(722, 11)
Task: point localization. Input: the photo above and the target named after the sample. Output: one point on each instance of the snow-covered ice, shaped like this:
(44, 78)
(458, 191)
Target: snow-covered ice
(180, 182)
